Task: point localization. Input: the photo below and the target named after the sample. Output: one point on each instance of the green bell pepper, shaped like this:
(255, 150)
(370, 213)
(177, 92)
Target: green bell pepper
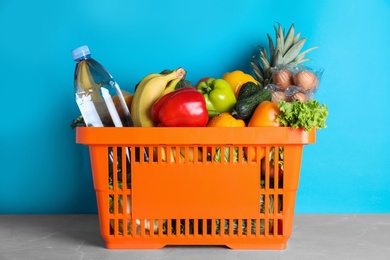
(218, 94)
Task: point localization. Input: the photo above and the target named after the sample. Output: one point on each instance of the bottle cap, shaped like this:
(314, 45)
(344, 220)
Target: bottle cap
(80, 52)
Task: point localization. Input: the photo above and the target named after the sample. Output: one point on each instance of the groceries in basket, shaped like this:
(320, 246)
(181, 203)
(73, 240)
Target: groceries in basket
(260, 119)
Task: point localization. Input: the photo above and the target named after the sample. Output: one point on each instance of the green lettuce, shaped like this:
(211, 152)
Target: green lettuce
(304, 115)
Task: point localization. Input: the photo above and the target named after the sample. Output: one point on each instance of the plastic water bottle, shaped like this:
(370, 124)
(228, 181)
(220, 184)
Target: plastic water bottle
(97, 94)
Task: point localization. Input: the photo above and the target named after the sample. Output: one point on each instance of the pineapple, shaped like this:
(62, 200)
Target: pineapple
(285, 52)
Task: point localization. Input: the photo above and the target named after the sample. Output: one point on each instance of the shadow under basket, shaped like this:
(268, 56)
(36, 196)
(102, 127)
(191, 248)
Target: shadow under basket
(195, 186)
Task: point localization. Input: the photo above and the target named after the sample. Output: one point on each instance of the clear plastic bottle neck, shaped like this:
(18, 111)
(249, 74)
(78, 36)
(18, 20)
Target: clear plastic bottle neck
(85, 57)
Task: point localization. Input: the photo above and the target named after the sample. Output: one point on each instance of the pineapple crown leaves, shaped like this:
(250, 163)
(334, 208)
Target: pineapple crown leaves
(286, 51)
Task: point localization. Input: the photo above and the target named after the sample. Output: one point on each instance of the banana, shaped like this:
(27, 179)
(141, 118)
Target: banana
(183, 155)
(171, 86)
(164, 155)
(191, 154)
(146, 78)
(147, 93)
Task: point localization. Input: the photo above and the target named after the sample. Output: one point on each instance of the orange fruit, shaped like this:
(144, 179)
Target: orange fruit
(225, 120)
(128, 99)
(237, 78)
(265, 115)
(251, 154)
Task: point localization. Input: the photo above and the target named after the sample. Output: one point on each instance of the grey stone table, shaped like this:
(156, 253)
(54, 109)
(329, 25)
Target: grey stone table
(78, 237)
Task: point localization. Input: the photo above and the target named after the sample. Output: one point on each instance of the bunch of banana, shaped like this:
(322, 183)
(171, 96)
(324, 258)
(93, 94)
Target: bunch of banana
(171, 86)
(148, 91)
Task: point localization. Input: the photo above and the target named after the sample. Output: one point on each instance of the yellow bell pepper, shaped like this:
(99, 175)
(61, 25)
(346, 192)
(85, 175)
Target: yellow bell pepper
(237, 78)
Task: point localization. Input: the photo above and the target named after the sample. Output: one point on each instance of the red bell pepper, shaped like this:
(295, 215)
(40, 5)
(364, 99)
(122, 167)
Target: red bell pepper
(184, 107)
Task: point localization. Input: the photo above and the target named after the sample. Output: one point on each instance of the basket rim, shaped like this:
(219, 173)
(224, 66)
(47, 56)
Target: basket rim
(193, 136)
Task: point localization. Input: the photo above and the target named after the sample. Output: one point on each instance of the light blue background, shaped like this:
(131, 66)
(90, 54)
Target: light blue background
(43, 170)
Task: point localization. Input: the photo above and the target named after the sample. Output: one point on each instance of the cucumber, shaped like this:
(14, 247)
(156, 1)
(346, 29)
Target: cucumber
(245, 107)
(247, 89)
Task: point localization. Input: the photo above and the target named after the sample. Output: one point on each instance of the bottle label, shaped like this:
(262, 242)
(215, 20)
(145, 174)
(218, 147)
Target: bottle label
(88, 110)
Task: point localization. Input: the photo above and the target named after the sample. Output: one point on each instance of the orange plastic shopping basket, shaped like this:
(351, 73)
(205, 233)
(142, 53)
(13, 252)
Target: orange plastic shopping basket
(195, 186)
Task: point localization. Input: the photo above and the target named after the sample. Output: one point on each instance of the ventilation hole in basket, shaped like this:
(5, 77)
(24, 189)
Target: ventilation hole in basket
(262, 183)
(120, 227)
(235, 226)
(280, 226)
(217, 227)
(275, 229)
(111, 203)
(156, 157)
(130, 226)
(271, 204)
(271, 226)
(263, 173)
(110, 158)
(252, 227)
(226, 224)
(164, 227)
(262, 227)
(197, 227)
(120, 204)
(280, 203)
(145, 155)
(153, 227)
(153, 154)
(169, 227)
(242, 228)
(127, 227)
(147, 227)
(128, 169)
(267, 168)
(180, 227)
(210, 153)
(119, 159)
(111, 226)
(137, 154)
(281, 167)
(174, 227)
(262, 203)
(231, 154)
(209, 227)
(280, 183)
(249, 153)
(189, 154)
(239, 153)
(204, 153)
(248, 227)
(198, 154)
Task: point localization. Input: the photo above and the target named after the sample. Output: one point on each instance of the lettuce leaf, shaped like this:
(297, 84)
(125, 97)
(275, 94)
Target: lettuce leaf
(304, 115)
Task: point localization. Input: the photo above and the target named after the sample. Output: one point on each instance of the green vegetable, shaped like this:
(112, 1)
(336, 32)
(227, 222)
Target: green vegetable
(183, 84)
(304, 115)
(218, 94)
(246, 105)
(166, 71)
(247, 89)
(217, 156)
(77, 122)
